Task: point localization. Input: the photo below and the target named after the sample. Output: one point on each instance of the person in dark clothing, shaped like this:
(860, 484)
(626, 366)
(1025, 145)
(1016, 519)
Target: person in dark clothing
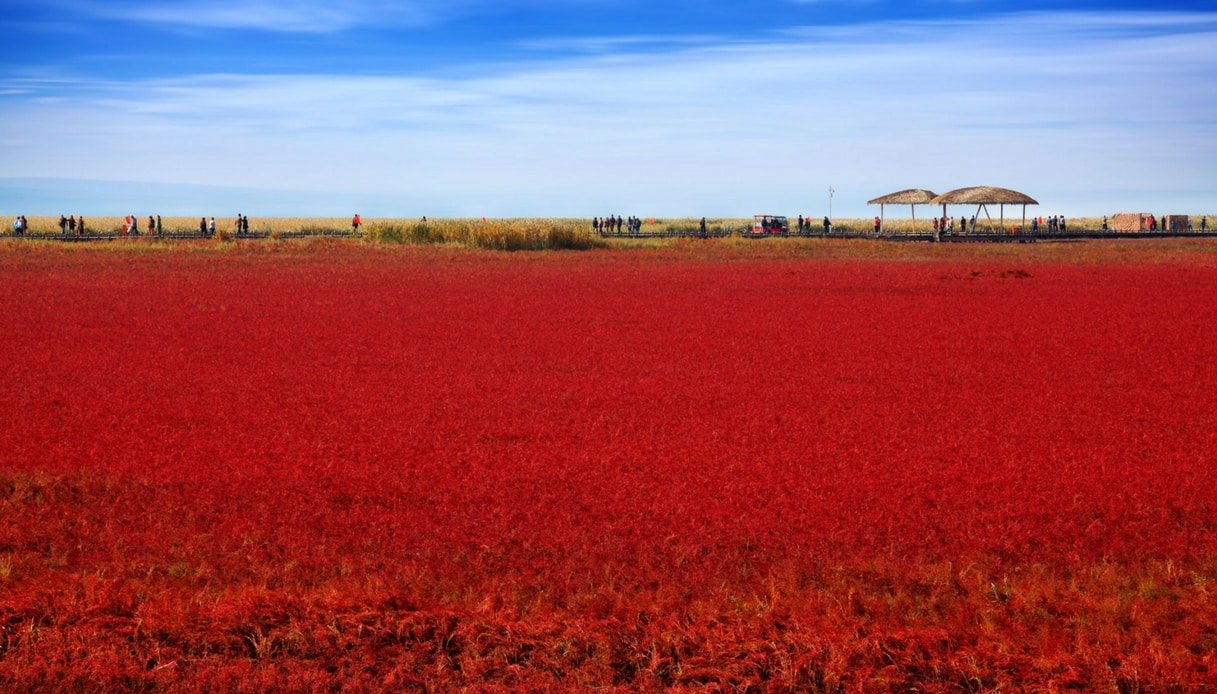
(202, 226)
(159, 229)
(827, 225)
(63, 225)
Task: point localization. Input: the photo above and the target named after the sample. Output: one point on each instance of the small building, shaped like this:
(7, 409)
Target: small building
(1176, 222)
(1131, 221)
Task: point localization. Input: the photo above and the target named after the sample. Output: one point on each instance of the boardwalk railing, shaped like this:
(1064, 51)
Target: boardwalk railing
(985, 235)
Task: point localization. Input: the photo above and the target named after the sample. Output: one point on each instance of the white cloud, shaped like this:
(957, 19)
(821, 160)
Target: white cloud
(270, 15)
(610, 44)
(1068, 118)
(307, 16)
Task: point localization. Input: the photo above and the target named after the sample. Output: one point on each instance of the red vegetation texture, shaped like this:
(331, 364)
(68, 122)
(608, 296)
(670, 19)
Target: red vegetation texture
(333, 467)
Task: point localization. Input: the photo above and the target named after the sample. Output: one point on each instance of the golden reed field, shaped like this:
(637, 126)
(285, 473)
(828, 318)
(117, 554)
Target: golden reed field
(497, 233)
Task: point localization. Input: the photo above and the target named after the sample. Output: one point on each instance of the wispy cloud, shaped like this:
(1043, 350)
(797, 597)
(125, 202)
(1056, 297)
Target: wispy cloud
(617, 44)
(304, 16)
(268, 15)
(723, 129)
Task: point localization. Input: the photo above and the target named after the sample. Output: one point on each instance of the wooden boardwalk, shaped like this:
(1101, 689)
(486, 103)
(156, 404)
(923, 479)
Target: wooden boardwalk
(923, 237)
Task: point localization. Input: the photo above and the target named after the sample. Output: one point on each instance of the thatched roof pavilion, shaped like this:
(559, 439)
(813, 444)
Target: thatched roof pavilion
(982, 197)
(910, 197)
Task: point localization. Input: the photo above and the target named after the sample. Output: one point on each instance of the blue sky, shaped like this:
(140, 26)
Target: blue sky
(589, 107)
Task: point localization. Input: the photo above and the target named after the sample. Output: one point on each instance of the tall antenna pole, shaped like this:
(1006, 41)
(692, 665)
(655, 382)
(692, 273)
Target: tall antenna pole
(830, 192)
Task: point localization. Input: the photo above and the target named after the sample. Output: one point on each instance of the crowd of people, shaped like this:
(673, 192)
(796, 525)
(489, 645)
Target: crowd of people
(69, 225)
(804, 225)
(613, 224)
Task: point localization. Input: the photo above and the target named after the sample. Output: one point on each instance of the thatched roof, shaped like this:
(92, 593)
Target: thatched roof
(983, 195)
(912, 196)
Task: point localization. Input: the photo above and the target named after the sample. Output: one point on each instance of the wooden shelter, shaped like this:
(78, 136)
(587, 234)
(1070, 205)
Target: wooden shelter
(911, 197)
(982, 197)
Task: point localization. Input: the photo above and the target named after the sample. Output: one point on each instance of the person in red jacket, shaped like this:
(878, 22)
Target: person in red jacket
(355, 222)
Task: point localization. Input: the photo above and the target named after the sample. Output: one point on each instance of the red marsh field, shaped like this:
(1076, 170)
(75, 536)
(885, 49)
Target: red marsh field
(818, 465)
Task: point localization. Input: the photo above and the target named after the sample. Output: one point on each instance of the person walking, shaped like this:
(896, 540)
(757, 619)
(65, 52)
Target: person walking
(355, 222)
(159, 230)
(211, 227)
(151, 225)
(202, 226)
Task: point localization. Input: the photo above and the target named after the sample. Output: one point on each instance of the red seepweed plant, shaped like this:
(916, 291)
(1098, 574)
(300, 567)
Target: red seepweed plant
(335, 467)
